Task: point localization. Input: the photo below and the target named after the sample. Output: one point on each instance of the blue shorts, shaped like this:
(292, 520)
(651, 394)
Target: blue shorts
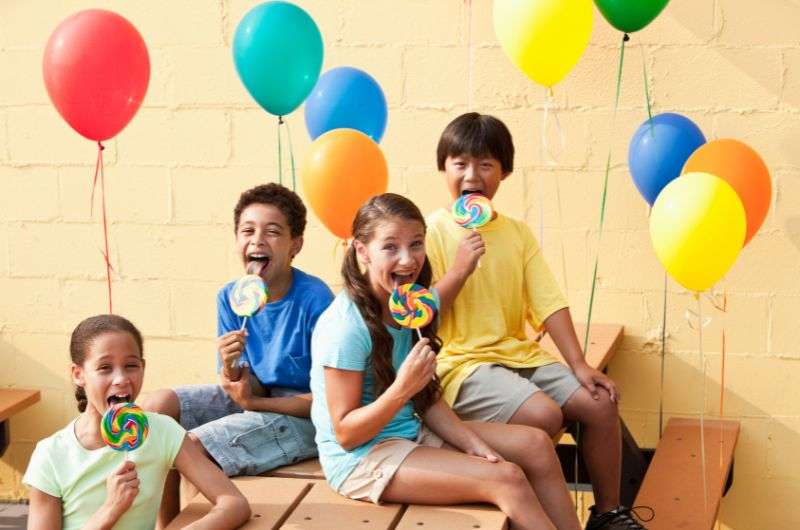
(244, 442)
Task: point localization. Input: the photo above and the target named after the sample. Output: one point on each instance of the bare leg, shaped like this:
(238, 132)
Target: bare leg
(440, 476)
(532, 449)
(601, 443)
(540, 411)
(164, 401)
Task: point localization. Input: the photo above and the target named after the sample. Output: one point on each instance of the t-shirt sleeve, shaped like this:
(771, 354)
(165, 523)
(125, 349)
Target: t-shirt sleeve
(40, 473)
(435, 251)
(171, 436)
(340, 342)
(543, 296)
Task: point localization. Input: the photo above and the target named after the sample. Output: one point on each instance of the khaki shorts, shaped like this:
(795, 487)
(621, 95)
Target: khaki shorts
(494, 392)
(371, 476)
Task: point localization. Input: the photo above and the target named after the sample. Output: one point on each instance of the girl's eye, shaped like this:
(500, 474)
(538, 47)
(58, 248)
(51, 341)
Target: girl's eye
(417, 244)
(104, 367)
(390, 248)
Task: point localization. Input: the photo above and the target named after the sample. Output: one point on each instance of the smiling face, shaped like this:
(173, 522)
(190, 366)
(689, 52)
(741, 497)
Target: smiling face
(473, 174)
(394, 255)
(112, 370)
(265, 244)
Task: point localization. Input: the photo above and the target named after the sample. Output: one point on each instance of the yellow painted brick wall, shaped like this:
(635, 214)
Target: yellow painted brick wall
(175, 172)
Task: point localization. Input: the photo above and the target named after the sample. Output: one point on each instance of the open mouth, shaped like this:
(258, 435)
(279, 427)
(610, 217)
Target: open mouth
(401, 279)
(467, 192)
(257, 263)
(118, 398)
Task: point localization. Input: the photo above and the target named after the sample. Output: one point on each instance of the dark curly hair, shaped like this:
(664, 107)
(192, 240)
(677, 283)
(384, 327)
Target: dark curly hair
(84, 334)
(477, 135)
(281, 197)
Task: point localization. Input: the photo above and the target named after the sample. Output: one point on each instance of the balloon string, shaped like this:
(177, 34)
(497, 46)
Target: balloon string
(470, 57)
(291, 155)
(546, 153)
(663, 357)
(702, 408)
(603, 201)
(280, 152)
(647, 93)
(99, 171)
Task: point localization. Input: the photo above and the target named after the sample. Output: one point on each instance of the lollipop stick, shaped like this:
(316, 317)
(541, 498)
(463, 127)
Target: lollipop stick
(244, 323)
(125, 458)
(419, 333)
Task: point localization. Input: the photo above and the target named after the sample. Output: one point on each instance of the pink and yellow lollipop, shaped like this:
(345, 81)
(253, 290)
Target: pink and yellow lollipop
(124, 427)
(412, 306)
(472, 210)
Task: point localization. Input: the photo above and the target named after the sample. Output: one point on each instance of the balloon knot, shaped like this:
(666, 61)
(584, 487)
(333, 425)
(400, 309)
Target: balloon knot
(280, 120)
(101, 146)
(626, 38)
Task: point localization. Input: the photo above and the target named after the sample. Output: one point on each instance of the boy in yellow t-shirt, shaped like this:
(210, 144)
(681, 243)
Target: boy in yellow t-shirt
(489, 368)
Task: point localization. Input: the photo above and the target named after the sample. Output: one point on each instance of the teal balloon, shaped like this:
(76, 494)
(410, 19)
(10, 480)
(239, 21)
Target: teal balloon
(630, 15)
(277, 50)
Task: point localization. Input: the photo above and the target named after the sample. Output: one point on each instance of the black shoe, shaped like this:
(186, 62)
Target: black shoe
(620, 518)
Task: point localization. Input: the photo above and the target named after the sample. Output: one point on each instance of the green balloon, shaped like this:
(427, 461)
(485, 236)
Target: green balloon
(630, 15)
(277, 50)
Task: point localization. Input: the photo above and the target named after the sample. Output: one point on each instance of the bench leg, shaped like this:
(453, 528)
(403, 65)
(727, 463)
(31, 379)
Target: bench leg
(5, 437)
(634, 466)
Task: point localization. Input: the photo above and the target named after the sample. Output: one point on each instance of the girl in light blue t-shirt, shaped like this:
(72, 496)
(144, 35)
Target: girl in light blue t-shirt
(76, 481)
(383, 431)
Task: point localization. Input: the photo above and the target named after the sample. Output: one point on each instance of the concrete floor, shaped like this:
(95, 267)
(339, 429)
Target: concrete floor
(13, 516)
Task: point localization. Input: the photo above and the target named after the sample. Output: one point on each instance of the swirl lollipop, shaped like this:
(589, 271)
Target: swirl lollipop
(124, 427)
(472, 210)
(248, 296)
(412, 306)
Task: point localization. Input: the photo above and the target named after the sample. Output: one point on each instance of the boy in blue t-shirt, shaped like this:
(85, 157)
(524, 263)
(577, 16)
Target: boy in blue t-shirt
(257, 418)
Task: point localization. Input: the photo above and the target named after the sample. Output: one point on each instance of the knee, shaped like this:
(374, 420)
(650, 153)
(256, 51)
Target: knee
(603, 410)
(164, 401)
(510, 477)
(552, 420)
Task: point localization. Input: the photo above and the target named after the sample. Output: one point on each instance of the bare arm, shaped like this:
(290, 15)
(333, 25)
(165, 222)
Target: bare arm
(559, 325)
(469, 252)
(441, 419)
(44, 512)
(241, 393)
(354, 424)
(230, 508)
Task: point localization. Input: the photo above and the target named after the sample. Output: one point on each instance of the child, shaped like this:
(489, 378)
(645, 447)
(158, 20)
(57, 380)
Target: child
(490, 369)
(76, 481)
(274, 429)
(383, 432)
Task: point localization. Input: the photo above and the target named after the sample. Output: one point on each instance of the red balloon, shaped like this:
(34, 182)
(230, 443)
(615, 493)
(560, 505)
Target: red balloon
(96, 69)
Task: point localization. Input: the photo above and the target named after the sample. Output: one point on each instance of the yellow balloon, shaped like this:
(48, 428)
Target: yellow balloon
(697, 227)
(544, 38)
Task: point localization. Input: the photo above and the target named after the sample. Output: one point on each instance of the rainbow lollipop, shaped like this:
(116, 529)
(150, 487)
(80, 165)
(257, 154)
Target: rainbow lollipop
(124, 427)
(472, 210)
(248, 296)
(412, 306)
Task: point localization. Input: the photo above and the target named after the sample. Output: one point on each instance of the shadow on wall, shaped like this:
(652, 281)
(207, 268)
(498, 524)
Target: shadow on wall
(765, 487)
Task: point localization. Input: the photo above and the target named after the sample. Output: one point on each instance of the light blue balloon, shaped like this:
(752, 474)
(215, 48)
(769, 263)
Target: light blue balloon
(277, 50)
(346, 98)
(658, 151)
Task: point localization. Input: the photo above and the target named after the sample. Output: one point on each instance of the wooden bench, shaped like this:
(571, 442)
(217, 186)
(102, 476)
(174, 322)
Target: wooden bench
(13, 400)
(673, 484)
(296, 497)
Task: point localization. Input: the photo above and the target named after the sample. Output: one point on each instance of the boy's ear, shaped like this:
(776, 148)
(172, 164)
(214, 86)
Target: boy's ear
(77, 374)
(297, 246)
(361, 251)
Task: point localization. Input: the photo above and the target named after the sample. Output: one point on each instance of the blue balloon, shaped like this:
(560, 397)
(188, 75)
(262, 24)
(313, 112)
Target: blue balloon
(346, 98)
(659, 150)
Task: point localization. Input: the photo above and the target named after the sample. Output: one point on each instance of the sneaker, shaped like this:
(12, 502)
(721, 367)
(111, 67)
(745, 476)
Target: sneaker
(620, 518)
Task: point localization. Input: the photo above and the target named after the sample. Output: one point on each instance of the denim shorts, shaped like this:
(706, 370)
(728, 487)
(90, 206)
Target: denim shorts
(244, 442)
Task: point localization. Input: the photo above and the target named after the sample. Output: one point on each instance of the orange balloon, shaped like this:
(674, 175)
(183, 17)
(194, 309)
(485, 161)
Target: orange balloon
(343, 169)
(741, 167)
